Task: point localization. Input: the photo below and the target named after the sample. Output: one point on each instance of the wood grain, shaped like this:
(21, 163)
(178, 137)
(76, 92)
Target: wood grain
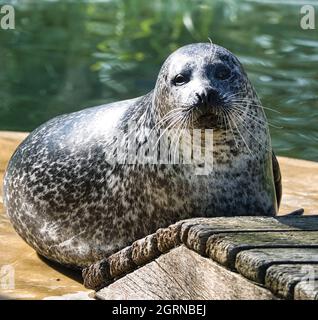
(276, 258)
(220, 238)
(306, 290)
(196, 232)
(224, 248)
(183, 274)
(283, 278)
(254, 263)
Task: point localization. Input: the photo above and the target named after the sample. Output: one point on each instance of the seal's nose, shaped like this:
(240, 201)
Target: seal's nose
(208, 97)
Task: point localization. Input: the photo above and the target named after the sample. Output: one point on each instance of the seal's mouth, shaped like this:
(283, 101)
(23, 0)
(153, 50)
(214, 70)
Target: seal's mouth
(213, 118)
(211, 122)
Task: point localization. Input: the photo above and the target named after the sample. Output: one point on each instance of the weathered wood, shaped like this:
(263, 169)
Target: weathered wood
(168, 238)
(121, 262)
(196, 232)
(306, 290)
(282, 279)
(145, 250)
(223, 248)
(126, 260)
(183, 274)
(253, 263)
(97, 276)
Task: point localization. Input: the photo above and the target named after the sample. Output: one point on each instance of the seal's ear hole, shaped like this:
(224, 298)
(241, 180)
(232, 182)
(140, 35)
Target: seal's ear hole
(222, 72)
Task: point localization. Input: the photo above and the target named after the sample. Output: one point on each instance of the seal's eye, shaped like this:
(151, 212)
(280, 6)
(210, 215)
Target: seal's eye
(222, 72)
(180, 79)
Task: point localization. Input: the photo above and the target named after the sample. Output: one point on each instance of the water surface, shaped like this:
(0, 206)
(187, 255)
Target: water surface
(67, 55)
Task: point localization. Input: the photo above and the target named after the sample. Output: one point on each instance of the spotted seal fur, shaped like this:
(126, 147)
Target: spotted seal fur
(73, 205)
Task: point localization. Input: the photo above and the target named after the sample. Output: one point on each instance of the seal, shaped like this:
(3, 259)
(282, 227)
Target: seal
(69, 200)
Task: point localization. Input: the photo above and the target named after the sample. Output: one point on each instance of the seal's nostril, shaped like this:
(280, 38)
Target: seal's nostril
(209, 97)
(202, 98)
(199, 98)
(212, 97)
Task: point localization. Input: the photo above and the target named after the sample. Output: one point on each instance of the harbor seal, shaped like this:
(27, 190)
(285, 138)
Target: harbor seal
(67, 199)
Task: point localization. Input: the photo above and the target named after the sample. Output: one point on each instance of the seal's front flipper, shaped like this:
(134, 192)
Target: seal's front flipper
(277, 179)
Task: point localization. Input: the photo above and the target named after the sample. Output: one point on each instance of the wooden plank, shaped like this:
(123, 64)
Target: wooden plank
(183, 274)
(195, 232)
(306, 290)
(223, 248)
(282, 279)
(253, 264)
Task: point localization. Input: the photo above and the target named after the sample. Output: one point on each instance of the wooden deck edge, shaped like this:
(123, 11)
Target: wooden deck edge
(194, 234)
(182, 274)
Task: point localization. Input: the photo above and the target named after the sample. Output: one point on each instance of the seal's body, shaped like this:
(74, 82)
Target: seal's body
(68, 200)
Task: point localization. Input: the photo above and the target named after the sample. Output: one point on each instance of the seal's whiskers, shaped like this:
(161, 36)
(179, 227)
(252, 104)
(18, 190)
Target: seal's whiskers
(231, 128)
(254, 118)
(240, 134)
(243, 123)
(251, 103)
(213, 50)
(176, 120)
(176, 138)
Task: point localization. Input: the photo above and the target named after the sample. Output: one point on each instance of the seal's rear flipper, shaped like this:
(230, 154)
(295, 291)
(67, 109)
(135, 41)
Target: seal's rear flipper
(298, 212)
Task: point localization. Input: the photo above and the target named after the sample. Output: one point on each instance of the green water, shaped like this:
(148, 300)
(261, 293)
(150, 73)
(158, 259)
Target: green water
(66, 55)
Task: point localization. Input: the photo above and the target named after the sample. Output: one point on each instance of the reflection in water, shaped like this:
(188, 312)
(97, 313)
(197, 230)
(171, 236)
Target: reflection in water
(64, 56)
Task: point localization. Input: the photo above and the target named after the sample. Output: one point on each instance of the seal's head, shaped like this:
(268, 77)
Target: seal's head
(205, 83)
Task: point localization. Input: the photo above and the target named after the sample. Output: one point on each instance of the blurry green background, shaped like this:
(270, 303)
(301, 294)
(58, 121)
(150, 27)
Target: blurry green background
(67, 55)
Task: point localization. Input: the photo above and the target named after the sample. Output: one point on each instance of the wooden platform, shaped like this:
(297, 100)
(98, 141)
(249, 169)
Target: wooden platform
(216, 258)
(205, 273)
